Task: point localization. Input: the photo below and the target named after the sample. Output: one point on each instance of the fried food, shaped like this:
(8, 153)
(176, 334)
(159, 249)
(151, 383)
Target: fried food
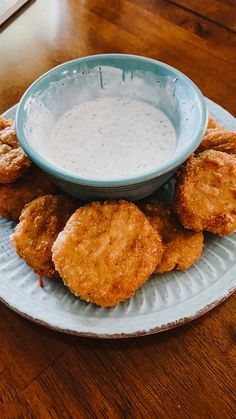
(181, 247)
(14, 196)
(40, 222)
(206, 193)
(13, 160)
(213, 124)
(106, 252)
(219, 140)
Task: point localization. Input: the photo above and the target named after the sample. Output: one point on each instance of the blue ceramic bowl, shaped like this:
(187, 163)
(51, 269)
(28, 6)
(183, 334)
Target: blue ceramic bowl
(111, 75)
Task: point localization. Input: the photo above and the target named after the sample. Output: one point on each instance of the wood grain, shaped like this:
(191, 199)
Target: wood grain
(103, 26)
(163, 375)
(183, 373)
(194, 23)
(216, 11)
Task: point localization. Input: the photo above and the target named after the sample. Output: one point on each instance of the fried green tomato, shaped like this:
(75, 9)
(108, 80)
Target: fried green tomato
(181, 247)
(106, 252)
(40, 222)
(13, 160)
(14, 196)
(206, 193)
(213, 124)
(219, 140)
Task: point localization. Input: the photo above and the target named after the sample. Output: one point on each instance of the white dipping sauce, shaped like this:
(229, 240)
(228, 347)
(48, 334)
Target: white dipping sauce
(111, 137)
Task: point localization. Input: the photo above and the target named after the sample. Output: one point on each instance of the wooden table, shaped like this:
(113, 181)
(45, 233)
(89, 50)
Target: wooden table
(184, 373)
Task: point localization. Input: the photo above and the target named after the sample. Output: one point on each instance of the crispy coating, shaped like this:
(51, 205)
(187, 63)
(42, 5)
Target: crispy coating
(40, 222)
(206, 193)
(181, 247)
(14, 196)
(219, 140)
(212, 123)
(106, 252)
(13, 160)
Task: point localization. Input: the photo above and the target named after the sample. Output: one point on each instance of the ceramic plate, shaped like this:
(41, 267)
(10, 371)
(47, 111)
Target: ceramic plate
(162, 303)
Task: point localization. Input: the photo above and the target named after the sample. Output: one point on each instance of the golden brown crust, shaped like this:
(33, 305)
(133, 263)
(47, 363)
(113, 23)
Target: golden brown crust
(206, 193)
(13, 160)
(40, 222)
(219, 140)
(213, 124)
(14, 196)
(181, 247)
(106, 252)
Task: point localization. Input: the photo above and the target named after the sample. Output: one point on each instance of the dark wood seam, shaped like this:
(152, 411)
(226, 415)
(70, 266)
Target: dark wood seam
(44, 369)
(200, 15)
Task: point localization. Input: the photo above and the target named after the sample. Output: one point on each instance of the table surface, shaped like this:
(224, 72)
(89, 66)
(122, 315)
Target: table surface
(186, 372)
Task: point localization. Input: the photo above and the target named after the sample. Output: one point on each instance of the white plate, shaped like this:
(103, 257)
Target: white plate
(162, 303)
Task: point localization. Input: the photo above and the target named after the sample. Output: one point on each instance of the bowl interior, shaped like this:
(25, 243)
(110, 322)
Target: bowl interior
(110, 75)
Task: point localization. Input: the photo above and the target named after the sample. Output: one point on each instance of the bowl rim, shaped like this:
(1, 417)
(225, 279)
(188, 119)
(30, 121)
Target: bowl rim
(66, 175)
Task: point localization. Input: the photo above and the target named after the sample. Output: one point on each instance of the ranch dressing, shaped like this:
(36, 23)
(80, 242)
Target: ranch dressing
(111, 137)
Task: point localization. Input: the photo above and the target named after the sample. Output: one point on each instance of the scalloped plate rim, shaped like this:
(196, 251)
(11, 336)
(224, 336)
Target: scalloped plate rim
(225, 292)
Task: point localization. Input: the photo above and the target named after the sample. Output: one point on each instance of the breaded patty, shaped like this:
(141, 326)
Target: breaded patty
(13, 160)
(40, 222)
(206, 193)
(106, 252)
(212, 123)
(14, 196)
(219, 140)
(181, 247)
